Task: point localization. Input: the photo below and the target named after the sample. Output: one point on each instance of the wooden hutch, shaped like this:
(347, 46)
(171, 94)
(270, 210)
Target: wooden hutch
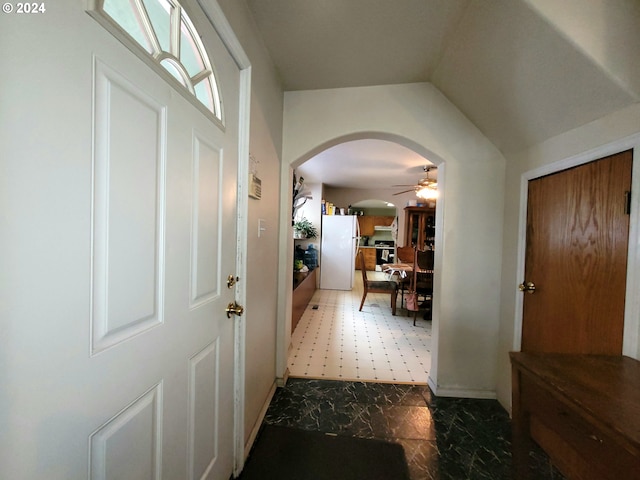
(420, 227)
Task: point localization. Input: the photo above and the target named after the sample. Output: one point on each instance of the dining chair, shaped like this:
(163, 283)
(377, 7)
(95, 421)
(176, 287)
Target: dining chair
(404, 255)
(423, 266)
(377, 286)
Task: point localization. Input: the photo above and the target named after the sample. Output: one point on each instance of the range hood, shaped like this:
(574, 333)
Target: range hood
(382, 228)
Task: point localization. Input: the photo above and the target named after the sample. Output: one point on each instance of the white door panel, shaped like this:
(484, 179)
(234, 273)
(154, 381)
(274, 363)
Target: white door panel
(203, 394)
(118, 229)
(205, 273)
(130, 444)
(129, 169)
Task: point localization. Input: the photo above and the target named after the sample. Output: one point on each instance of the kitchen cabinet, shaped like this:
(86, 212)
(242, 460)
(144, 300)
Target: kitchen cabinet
(369, 258)
(369, 222)
(420, 227)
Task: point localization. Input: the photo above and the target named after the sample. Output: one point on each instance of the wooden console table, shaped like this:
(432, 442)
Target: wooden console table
(583, 410)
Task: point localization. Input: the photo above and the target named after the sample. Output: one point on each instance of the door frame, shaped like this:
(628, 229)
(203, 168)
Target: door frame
(631, 334)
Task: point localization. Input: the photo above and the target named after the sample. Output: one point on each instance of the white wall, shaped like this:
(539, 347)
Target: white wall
(262, 251)
(469, 233)
(603, 133)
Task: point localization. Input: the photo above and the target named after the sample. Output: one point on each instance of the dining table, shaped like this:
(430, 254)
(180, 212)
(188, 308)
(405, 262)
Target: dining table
(400, 269)
(403, 271)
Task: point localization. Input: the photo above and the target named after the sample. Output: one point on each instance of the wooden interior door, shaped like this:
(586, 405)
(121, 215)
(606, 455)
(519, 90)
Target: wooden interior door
(576, 256)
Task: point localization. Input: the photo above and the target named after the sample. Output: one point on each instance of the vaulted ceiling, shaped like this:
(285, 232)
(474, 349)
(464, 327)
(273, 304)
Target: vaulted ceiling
(522, 71)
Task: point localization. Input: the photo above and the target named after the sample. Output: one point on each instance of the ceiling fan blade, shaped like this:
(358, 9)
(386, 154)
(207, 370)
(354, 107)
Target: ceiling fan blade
(404, 191)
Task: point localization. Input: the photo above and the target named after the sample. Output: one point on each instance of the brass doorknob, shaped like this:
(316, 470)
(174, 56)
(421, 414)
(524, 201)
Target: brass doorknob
(234, 308)
(528, 287)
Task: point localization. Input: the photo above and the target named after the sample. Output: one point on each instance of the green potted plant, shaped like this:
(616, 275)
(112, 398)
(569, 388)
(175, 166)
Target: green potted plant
(303, 228)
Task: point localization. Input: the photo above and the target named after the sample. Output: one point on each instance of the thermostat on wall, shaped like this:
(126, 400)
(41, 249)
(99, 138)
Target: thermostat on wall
(255, 187)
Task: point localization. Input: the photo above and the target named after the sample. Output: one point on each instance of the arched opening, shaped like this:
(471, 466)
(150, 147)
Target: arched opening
(370, 175)
(374, 207)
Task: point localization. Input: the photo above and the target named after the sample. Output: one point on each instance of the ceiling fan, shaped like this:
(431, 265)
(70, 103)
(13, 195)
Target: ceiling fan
(425, 188)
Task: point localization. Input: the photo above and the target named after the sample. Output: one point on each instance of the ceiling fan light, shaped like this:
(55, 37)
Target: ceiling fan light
(427, 193)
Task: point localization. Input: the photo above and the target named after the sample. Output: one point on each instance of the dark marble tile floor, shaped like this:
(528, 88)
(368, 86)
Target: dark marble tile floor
(443, 438)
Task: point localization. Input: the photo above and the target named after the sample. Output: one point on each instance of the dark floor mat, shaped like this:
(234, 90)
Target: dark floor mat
(284, 453)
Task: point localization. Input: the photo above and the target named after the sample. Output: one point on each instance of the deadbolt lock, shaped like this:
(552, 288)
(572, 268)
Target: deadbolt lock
(528, 287)
(231, 281)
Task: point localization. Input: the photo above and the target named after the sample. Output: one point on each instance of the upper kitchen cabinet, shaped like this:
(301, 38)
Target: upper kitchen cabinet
(369, 222)
(420, 227)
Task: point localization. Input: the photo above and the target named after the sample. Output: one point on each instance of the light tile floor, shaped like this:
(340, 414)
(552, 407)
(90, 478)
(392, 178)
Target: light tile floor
(335, 341)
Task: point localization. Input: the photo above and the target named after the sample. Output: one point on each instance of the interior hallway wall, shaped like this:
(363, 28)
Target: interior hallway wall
(262, 252)
(468, 257)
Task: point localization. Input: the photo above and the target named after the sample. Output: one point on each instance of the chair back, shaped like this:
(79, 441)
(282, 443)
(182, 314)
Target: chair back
(405, 254)
(425, 260)
(424, 272)
(363, 269)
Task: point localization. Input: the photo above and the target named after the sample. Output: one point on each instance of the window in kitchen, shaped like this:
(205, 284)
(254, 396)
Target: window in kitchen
(164, 31)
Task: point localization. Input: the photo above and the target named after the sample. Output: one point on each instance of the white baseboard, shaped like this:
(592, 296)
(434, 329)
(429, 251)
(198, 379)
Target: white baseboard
(281, 382)
(456, 392)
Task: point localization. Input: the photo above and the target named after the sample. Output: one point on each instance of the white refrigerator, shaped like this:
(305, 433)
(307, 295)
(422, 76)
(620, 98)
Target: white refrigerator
(339, 244)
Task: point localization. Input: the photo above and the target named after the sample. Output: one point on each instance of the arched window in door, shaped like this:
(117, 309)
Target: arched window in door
(163, 29)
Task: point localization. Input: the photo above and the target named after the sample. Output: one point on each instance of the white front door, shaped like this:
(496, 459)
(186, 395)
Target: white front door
(118, 233)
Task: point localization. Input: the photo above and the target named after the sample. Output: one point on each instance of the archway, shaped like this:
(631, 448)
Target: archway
(374, 207)
(470, 212)
(380, 206)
